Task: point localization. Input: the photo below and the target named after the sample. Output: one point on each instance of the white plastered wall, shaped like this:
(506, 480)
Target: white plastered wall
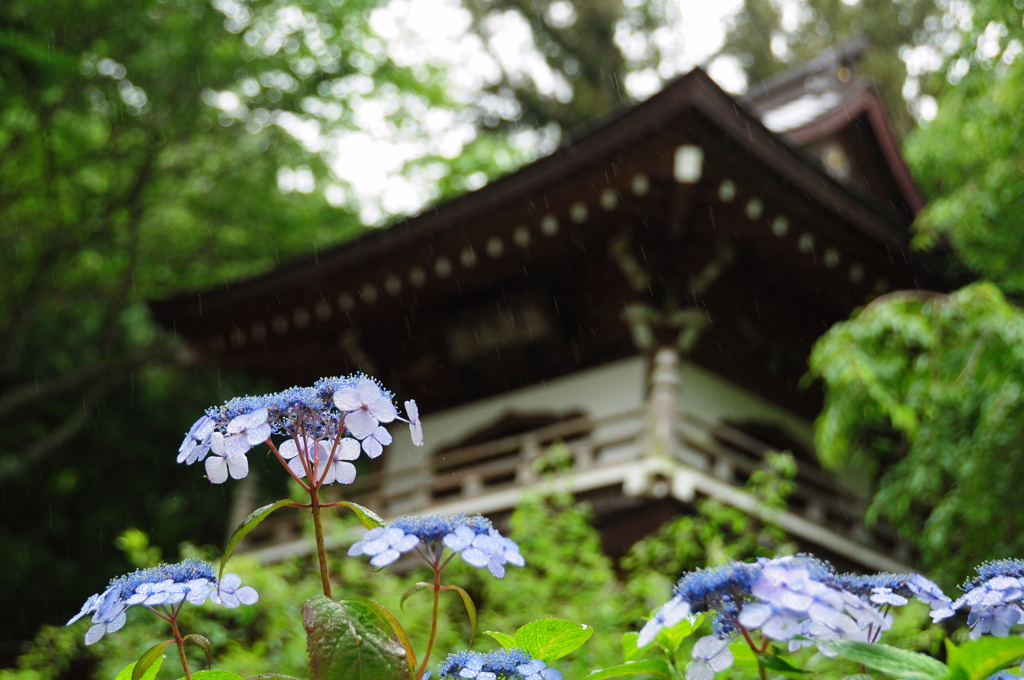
(605, 390)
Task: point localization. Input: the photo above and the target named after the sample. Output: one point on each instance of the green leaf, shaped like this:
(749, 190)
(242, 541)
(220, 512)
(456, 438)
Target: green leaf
(271, 676)
(774, 662)
(149, 658)
(368, 518)
(355, 638)
(899, 663)
(215, 675)
(247, 525)
(203, 643)
(126, 672)
(413, 589)
(629, 649)
(657, 667)
(742, 655)
(506, 641)
(467, 601)
(550, 639)
(978, 659)
(669, 639)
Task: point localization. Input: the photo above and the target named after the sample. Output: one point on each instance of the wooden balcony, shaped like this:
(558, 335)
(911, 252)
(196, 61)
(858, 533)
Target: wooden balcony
(618, 453)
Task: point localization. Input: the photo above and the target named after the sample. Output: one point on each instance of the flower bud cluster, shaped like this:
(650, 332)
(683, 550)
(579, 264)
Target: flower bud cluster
(503, 664)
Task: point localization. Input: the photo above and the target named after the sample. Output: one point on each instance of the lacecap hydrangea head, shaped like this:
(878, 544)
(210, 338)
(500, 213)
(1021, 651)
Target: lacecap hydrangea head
(503, 664)
(473, 537)
(167, 586)
(995, 598)
(343, 415)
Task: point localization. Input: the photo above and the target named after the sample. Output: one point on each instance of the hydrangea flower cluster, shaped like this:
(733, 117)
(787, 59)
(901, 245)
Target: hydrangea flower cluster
(503, 664)
(474, 538)
(796, 599)
(996, 599)
(169, 585)
(327, 425)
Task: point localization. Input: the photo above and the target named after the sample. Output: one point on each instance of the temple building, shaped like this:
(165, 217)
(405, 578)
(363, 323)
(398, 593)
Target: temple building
(628, 318)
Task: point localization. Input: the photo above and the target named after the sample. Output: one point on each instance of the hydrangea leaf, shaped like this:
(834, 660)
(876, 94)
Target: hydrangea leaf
(774, 662)
(272, 676)
(215, 675)
(899, 663)
(412, 590)
(467, 601)
(630, 651)
(247, 525)
(149, 658)
(368, 518)
(978, 659)
(203, 643)
(743, 656)
(669, 639)
(355, 638)
(126, 672)
(657, 667)
(506, 641)
(550, 639)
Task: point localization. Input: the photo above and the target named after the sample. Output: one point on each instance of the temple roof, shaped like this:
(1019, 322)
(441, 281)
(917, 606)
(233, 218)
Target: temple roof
(774, 216)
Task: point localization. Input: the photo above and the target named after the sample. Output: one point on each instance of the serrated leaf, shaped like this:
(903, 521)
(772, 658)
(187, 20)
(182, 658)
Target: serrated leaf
(899, 663)
(978, 659)
(467, 602)
(412, 590)
(126, 672)
(657, 667)
(550, 639)
(506, 641)
(148, 659)
(368, 518)
(355, 638)
(203, 643)
(247, 525)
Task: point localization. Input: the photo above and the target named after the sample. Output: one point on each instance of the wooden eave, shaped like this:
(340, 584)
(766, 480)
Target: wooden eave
(805, 295)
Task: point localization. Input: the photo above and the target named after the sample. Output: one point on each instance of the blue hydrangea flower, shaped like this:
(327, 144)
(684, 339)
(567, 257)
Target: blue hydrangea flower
(995, 599)
(491, 549)
(501, 664)
(168, 585)
(710, 655)
(197, 442)
(365, 406)
(538, 670)
(384, 545)
(225, 461)
(375, 442)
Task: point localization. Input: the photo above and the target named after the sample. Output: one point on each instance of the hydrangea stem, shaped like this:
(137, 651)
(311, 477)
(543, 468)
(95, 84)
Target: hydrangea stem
(433, 621)
(321, 548)
(180, 642)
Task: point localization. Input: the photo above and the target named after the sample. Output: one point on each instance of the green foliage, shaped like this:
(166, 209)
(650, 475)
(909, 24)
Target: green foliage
(716, 534)
(549, 639)
(932, 387)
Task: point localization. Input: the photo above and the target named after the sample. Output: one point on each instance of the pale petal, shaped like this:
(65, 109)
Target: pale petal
(407, 543)
(236, 445)
(382, 435)
(247, 595)
(360, 423)
(217, 470)
(117, 623)
(344, 473)
(95, 633)
(288, 449)
(473, 556)
(372, 447)
(383, 410)
(295, 464)
(368, 390)
(348, 449)
(385, 558)
(258, 434)
(347, 399)
(238, 466)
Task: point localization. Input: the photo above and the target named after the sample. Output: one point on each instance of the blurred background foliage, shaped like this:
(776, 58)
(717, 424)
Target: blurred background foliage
(157, 145)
